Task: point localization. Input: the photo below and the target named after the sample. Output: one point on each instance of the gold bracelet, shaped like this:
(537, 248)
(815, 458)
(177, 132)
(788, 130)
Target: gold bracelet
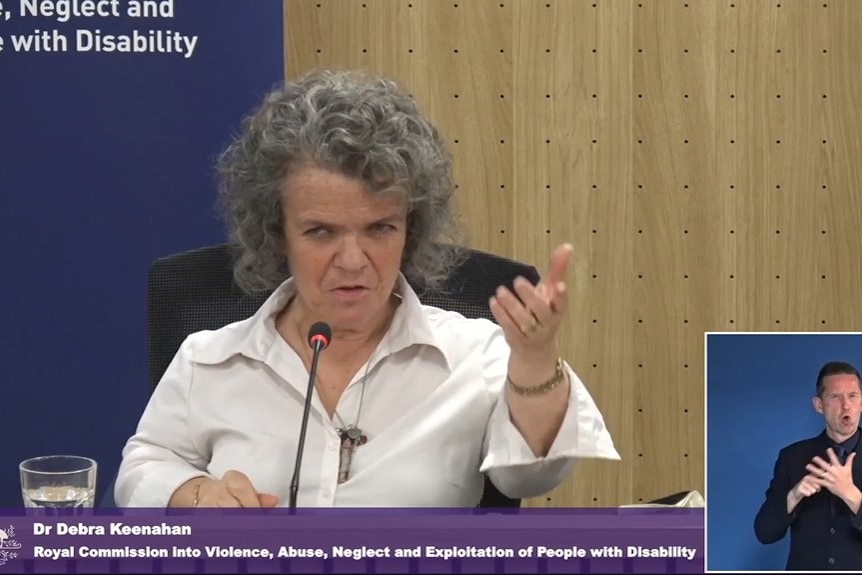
(556, 379)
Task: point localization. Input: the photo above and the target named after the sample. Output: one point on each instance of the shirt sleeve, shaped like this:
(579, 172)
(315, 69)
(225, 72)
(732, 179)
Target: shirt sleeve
(510, 463)
(161, 455)
(772, 519)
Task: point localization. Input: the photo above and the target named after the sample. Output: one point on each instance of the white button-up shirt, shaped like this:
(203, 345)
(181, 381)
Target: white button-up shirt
(434, 412)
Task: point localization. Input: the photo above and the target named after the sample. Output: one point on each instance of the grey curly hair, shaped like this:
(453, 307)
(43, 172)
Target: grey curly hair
(356, 124)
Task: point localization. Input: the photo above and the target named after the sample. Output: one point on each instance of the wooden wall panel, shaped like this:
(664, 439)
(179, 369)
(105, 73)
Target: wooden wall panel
(572, 169)
(703, 157)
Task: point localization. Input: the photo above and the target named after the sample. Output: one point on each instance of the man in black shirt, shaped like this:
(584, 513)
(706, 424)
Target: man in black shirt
(815, 488)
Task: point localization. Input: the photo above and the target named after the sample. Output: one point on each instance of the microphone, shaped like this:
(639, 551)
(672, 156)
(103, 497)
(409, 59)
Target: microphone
(318, 338)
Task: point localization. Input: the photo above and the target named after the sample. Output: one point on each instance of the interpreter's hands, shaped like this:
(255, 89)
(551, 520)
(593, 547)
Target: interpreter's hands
(530, 324)
(234, 489)
(806, 487)
(834, 476)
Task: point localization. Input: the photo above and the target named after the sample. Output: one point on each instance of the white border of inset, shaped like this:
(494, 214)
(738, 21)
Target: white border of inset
(706, 335)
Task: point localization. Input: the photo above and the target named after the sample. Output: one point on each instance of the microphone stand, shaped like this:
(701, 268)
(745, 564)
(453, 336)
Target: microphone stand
(294, 483)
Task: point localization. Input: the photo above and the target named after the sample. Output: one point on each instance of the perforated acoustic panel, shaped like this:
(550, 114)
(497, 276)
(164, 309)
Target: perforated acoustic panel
(702, 156)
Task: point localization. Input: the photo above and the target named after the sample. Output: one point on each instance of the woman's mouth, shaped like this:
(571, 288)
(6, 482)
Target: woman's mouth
(350, 292)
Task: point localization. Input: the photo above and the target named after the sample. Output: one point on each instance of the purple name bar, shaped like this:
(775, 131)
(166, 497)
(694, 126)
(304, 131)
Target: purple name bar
(583, 540)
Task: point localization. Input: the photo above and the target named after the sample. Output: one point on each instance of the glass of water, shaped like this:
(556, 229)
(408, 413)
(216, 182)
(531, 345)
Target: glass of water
(58, 481)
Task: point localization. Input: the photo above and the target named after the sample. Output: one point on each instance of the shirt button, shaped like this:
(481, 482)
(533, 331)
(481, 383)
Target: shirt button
(333, 445)
(327, 493)
(832, 531)
(831, 561)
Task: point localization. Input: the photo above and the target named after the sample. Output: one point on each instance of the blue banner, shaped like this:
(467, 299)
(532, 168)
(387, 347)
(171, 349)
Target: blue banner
(356, 541)
(112, 114)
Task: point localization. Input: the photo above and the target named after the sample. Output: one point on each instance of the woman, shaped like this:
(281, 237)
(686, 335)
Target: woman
(341, 175)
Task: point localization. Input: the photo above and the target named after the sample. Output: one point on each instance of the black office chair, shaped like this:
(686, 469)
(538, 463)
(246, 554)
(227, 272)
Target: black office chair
(195, 290)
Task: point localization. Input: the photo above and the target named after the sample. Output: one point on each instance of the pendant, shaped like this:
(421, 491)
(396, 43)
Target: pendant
(355, 434)
(351, 438)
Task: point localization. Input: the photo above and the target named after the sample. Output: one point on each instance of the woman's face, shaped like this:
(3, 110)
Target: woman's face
(344, 245)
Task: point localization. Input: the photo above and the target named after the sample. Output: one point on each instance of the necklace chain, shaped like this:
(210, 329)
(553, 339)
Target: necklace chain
(361, 397)
(366, 374)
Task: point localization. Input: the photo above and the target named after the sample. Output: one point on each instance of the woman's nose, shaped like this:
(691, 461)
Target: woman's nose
(350, 255)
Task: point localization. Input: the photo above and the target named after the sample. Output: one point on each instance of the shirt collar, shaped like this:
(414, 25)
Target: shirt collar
(255, 336)
(849, 445)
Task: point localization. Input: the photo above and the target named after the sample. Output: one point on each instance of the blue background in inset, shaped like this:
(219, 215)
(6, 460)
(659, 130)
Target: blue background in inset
(759, 390)
(106, 163)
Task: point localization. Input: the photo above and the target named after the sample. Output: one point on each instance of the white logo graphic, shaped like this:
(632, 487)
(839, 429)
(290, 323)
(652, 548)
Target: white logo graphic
(8, 545)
